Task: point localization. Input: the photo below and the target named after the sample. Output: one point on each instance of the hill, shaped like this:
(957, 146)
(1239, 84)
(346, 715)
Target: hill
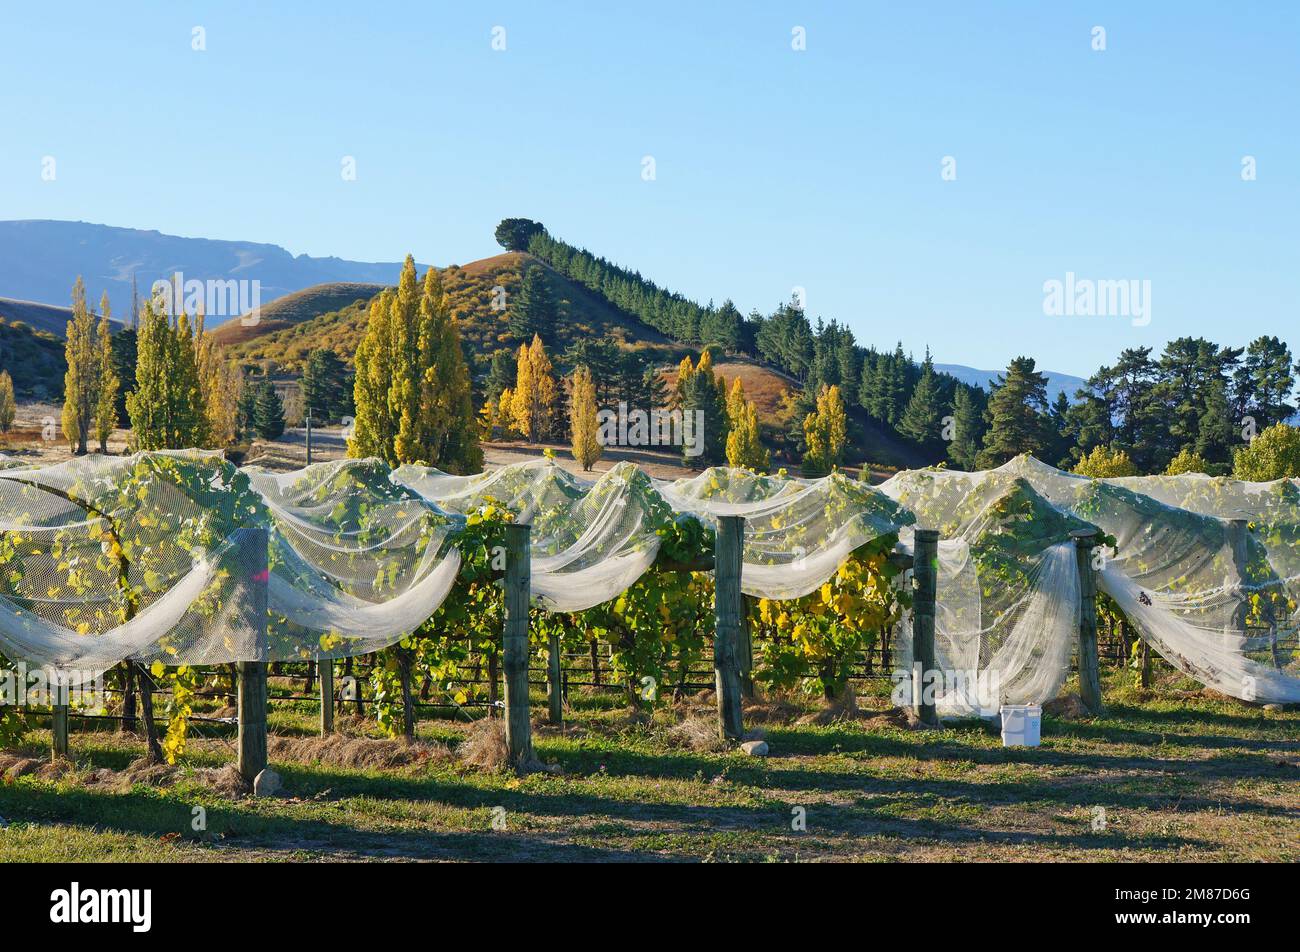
(471, 291)
(39, 261)
(34, 358)
(294, 309)
(1056, 382)
(46, 318)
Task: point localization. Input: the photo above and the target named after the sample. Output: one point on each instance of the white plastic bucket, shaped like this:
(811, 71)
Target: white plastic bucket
(1021, 725)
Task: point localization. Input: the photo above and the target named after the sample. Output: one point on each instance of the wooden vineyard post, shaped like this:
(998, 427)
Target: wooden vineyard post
(728, 607)
(1085, 540)
(59, 724)
(519, 729)
(925, 572)
(325, 671)
(555, 690)
(251, 700)
(745, 652)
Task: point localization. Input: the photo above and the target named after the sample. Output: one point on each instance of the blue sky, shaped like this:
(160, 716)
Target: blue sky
(774, 168)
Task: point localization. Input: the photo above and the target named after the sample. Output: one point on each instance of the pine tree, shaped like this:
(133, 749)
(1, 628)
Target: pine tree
(324, 380)
(1017, 415)
(106, 404)
(533, 311)
(268, 412)
(825, 433)
(967, 429)
(81, 382)
(8, 405)
(704, 420)
(582, 418)
(744, 447)
(920, 421)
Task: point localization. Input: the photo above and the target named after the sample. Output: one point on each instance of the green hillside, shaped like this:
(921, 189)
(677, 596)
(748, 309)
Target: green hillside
(34, 358)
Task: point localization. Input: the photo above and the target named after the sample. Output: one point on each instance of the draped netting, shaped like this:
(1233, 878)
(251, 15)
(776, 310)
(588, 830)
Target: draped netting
(797, 531)
(590, 540)
(181, 557)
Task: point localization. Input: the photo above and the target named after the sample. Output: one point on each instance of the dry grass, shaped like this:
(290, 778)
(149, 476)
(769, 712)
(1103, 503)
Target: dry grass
(359, 753)
(695, 733)
(485, 745)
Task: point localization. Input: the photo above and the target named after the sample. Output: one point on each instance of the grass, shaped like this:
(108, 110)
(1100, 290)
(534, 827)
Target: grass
(1174, 778)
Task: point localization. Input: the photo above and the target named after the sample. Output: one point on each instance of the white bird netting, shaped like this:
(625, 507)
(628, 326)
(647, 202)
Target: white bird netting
(184, 558)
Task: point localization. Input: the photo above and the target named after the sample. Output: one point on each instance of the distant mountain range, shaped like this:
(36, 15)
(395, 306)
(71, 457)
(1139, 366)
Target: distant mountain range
(39, 261)
(1056, 383)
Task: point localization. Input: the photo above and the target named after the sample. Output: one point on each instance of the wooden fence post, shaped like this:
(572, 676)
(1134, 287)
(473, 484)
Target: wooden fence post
(553, 686)
(518, 586)
(325, 672)
(1085, 540)
(728, 607)
(925, 572)
(59, 722)
(745, 650)
(251, 700)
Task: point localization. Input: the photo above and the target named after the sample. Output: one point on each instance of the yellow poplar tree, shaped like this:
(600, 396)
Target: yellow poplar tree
(685, 370)
(825, 432)
(222, 383)
(81, 382)
(533, 402)
(8, 405)
(106, 405)
(582, 418)
(412, 389)
(744, 448)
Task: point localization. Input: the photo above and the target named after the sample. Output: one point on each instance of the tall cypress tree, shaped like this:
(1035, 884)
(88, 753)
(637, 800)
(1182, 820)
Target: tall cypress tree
(968, 428)
(268, 412)
(920, 421)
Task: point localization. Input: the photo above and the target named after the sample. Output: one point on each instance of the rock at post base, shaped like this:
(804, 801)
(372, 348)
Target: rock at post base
(267, 783)
(755, 748)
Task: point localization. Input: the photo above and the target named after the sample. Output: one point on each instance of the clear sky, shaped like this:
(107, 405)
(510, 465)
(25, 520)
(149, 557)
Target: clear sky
(774, 168)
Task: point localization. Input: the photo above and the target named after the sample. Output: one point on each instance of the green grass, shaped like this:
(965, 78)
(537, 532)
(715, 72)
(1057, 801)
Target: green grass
(1177, 779)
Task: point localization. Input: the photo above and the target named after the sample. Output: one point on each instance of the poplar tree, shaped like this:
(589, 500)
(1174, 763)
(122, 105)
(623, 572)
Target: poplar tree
(533, 400)
(106, 405)
(8, 405)
(744, 448)
(825, 433)
(582, 418)
(412, 392)
(222, 385)
(81, 382)
(166, 407)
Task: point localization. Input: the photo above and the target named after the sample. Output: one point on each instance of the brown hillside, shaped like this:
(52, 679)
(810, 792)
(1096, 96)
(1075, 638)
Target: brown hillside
(295, 308)
(471, 291)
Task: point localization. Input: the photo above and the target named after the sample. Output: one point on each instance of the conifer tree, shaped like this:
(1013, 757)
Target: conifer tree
(744, 448)
(967, 429)
(705, 421)
(1017, 415)
(8, 405)
(268, 412)
(533, 310)
(920, 421)
(106, 405)
(582, 418)
(81, 382)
